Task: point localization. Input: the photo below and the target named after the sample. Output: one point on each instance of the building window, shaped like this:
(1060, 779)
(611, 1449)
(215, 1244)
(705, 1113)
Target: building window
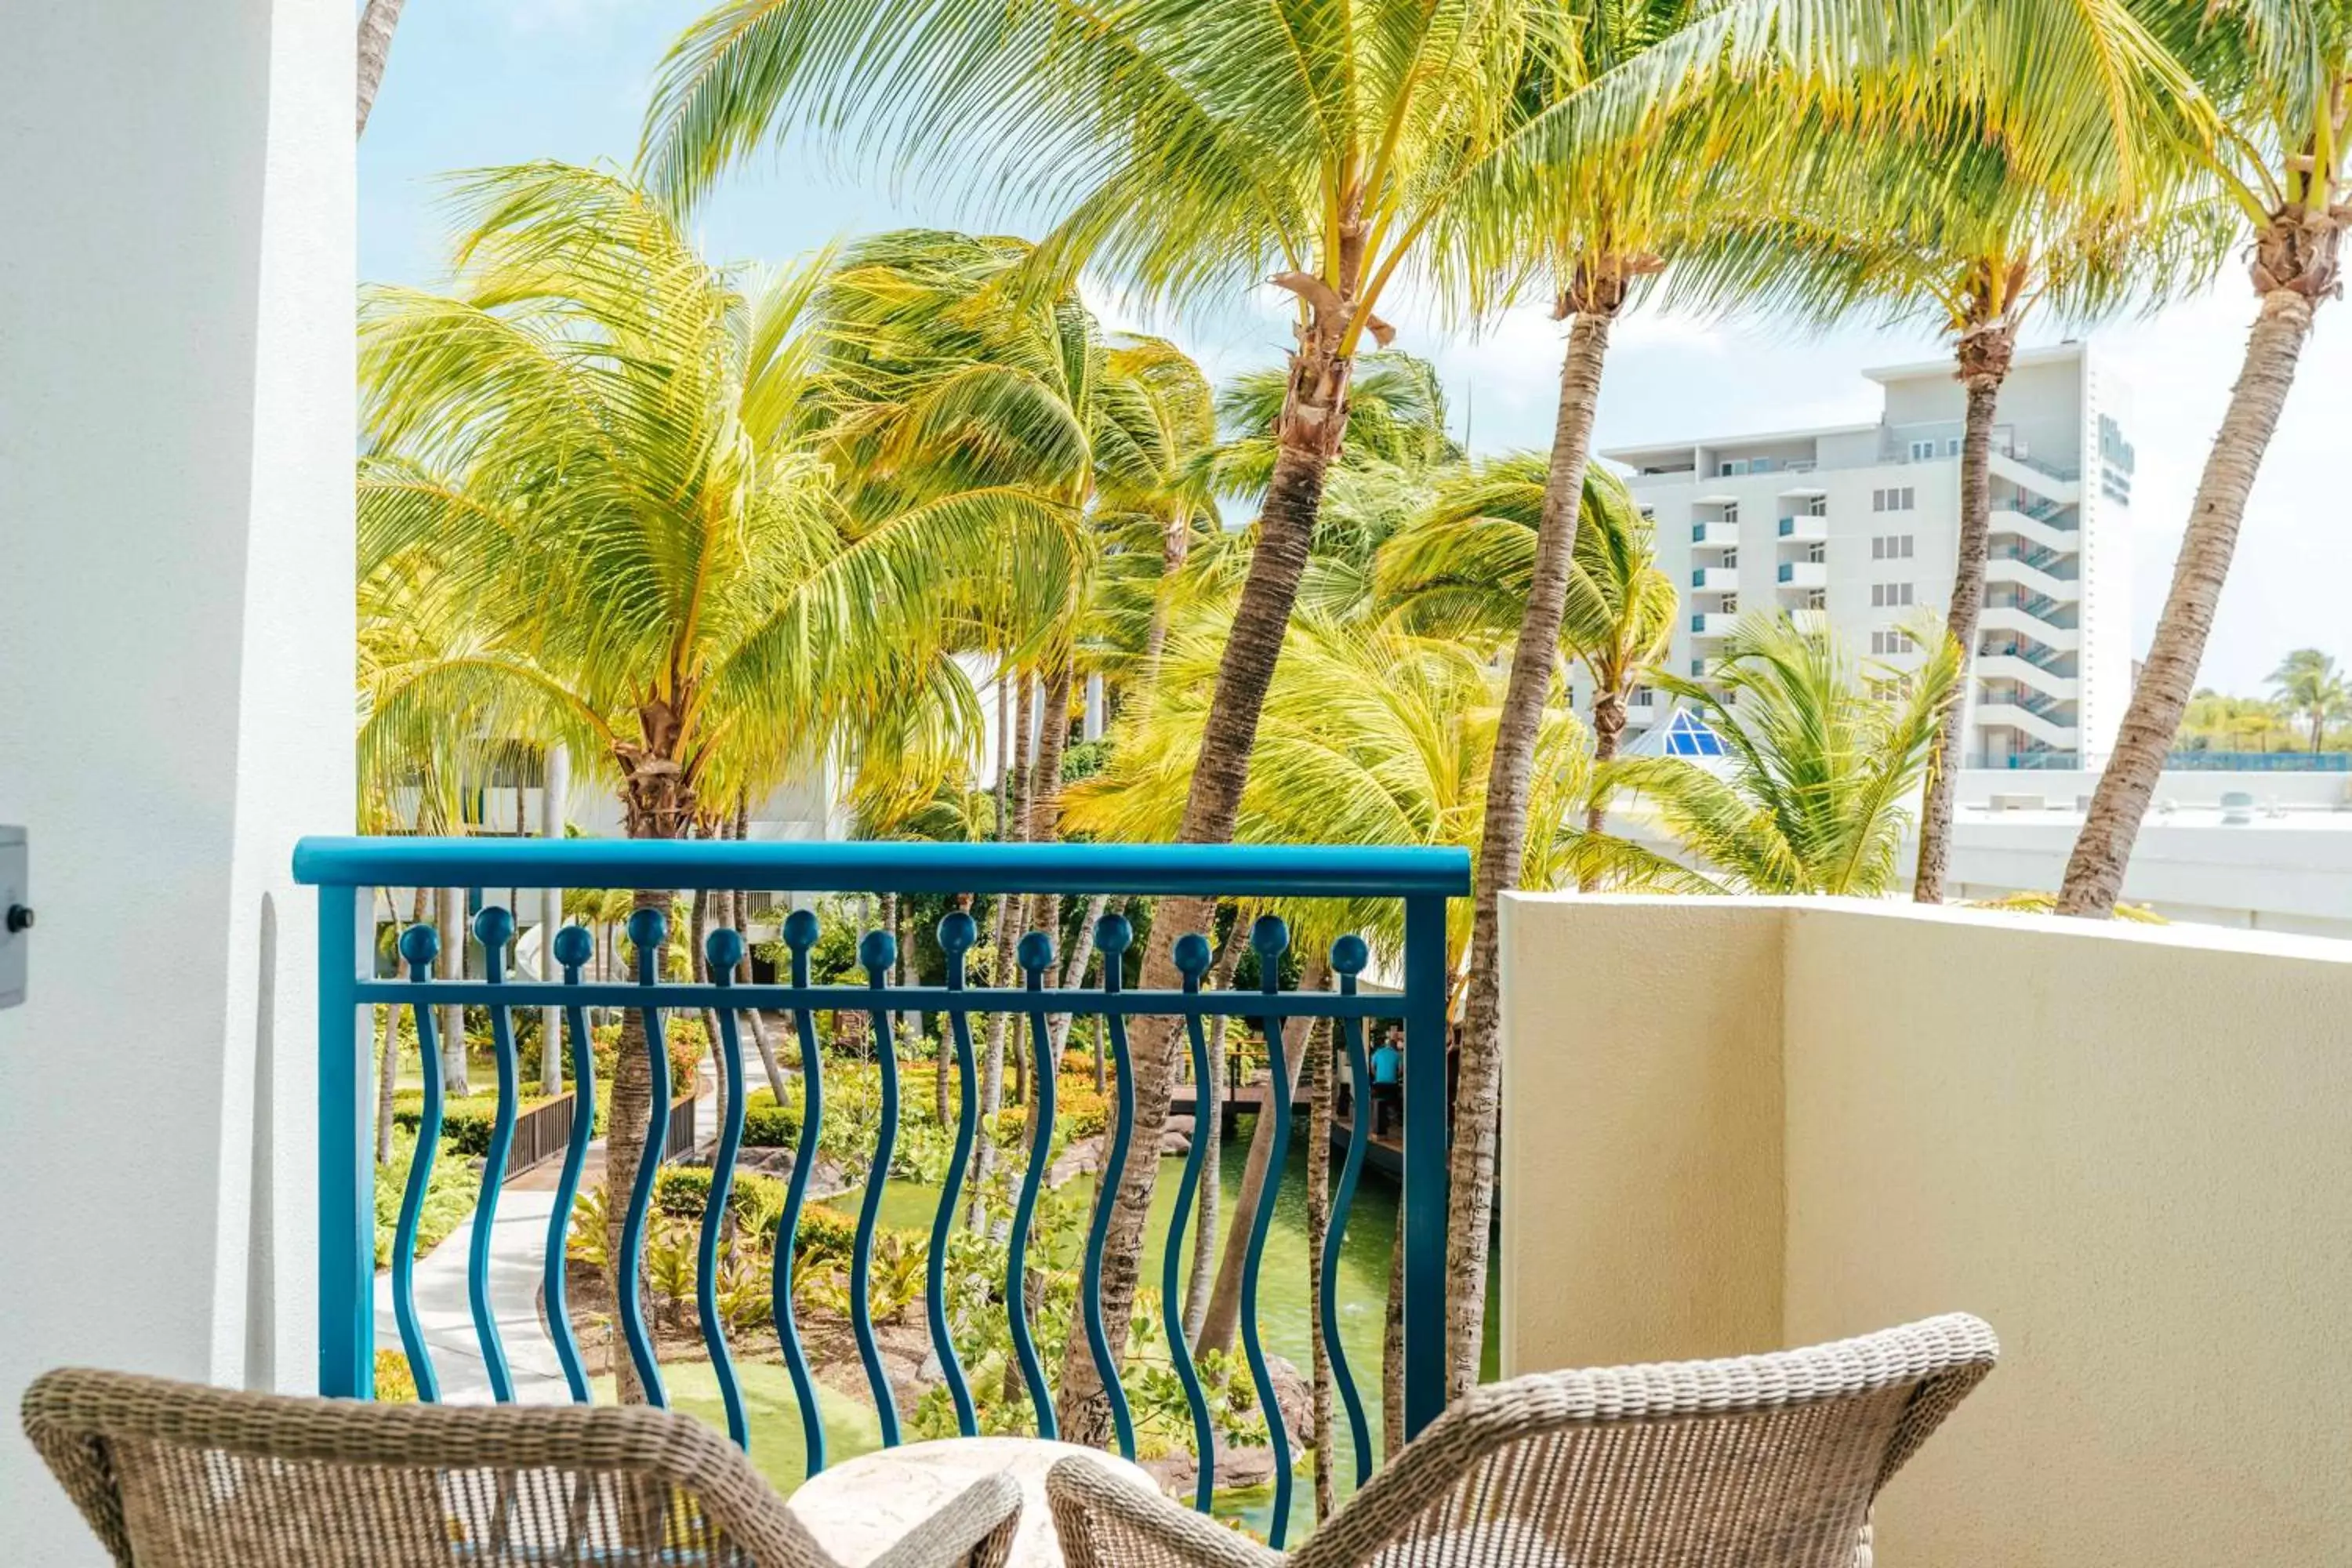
(1921, 451)
(1952, 447)
(1816, 506)
(1889, 595)
(1899, 497)
(1886, 643)
(1891, 547)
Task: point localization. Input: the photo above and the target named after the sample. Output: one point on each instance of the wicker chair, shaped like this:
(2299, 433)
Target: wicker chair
(1768, 1461)
(170, 1475)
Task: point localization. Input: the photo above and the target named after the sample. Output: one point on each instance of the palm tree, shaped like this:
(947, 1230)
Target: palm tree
(376, 24)
(1463, 568)
(1949, 230)
(2275, 70)
(2309, 683)
(1193, 148)
(593, 439)
(1372, 735)
(1823, 757)
(1602, 214)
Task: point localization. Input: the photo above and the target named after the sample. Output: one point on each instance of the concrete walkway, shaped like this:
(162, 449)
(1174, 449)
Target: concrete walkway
(518, 1258)
(517, 1246)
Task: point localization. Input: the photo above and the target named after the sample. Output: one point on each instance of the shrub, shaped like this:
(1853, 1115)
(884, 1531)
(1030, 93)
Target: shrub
(687, 1044)
(394, 1385)
(768, 1125)
(683, 1192)
(467, 1123)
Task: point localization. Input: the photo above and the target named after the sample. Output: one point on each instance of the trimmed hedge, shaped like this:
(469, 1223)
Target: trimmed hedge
(467, 1121)
(768, 1125)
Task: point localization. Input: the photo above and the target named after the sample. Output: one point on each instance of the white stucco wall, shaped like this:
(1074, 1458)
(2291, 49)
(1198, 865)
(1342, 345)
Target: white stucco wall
(1735, 1125)
(175, 418)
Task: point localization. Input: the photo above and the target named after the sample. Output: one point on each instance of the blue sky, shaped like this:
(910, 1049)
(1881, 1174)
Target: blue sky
(476, 82)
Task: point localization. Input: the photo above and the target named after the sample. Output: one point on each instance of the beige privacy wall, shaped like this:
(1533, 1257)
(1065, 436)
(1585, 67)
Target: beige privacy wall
(1730, 1125)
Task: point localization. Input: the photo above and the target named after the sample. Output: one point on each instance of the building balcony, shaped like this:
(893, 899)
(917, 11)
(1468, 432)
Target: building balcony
(2031, 674)
(1713, 624)
(1806, 574)
(2061, 731)
(1715, 579)
(1716, 535)
(2129, 1149)
(2051, 529)
(1805, 528)
(2034, 579)
(2024, 622)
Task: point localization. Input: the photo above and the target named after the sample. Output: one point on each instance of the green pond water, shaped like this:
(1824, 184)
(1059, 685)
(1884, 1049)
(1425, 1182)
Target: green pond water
(1285, 1326)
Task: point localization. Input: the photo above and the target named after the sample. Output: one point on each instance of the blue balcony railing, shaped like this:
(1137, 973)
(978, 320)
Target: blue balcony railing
(1413, 884)
(2261, 762)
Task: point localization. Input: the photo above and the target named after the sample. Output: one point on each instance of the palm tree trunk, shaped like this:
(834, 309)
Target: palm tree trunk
(1208, 1122)
(452, 966)
(376, 24)
(1009, 780)
(1608, 733)
(388, 1070)
(767, 1048)
(1222, 1319)
(1044, 824)
(626, 1144)
(1175, 545)
(2094, 872)
(1392, 1347)
(1502, 845)
(1313, 420)
(1984, 357)
(1073, 973)
(1319, 1081)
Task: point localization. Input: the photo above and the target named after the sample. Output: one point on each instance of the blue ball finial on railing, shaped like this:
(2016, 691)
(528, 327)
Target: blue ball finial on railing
(878, 951)
(724, 948)
(800, 930)
(1035, 951)
(1270, 936)
(420, 945)
(1113, 934)
(1349, 955)
(648, 928)
(1192, 955)
(493, 927)
(574, 947)
(957, 932)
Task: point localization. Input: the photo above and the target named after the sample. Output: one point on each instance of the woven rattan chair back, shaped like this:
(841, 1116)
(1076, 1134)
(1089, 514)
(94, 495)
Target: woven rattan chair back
(176, 1475)
(1768, 1461)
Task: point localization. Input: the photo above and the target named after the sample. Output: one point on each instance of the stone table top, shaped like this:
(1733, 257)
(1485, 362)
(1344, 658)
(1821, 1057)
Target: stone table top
(860, 1508)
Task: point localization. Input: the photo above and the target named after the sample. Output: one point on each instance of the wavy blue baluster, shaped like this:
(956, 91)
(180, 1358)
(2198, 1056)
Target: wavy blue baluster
(724, 950)
(493, 927)
(800, 936)
(1269, 936)
(1192, 962)
(1348, 956)
(957, 931)
(1112, 936)
(574, 948)
(648, 930)
(876, 950)
(419, 944)
(1037, 955)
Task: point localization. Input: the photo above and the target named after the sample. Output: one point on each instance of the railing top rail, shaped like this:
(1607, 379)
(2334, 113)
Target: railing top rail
(1270, 870)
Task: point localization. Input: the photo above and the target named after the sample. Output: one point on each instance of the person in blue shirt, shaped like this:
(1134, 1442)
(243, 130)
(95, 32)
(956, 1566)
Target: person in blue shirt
(1388, 1081)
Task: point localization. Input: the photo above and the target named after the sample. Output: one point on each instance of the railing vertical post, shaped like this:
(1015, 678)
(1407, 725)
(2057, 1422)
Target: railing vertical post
(1426, 1186)
(346, 1181)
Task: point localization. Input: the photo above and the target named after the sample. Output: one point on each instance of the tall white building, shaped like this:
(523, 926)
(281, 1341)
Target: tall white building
(1860, 523)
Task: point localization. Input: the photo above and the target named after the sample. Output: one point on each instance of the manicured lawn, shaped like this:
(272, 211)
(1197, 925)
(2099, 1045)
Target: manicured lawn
(773, 1414)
